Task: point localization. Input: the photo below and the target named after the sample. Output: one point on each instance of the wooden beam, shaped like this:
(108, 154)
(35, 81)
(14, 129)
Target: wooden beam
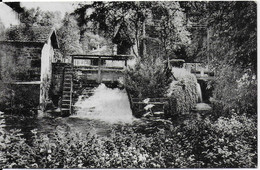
(105, 57)
(27, 83)
(72, 61)
(99, 70)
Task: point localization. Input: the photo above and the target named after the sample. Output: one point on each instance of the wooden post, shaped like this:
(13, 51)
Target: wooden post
(125, 62)
(72, 61)
(99, 69)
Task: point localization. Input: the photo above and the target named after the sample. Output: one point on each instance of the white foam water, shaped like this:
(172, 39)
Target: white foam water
(109, 105)
(199, 93)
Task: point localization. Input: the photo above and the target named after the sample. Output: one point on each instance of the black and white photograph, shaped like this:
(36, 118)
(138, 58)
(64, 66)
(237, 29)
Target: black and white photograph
(128, 84)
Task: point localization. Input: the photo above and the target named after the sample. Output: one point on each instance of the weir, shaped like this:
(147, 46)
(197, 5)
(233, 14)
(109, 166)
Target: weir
(105, 104)
(87, 72)
(84, 73)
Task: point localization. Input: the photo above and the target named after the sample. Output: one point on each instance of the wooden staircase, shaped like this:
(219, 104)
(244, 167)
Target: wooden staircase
(66, 103)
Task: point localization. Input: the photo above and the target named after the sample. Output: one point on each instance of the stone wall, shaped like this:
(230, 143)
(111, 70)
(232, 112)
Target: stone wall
(28, 62)
(22, 59)
(25, 97)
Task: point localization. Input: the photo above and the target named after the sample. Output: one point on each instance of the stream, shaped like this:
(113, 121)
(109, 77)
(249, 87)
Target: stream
(95, 115)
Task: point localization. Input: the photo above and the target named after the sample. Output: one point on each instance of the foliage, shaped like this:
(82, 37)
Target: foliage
(69, 36)
(40, 18)
(234, 56)
(219, 35)
(147, 79)
(132, 19)
(235, 89)
(170, 24)
(197, 15)
(182, 91)
(233, 41)
(109, 17)
(2, 28)
(230, 45)
(225, 143)
(195, 143)
(92, 41)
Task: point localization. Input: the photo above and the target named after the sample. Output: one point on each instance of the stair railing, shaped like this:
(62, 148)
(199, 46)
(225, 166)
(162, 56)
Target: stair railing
(71, 93)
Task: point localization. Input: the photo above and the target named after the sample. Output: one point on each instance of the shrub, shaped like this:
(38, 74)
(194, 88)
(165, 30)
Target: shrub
(147, 78)
(235, 88)
(182, 91)
(195, 143)
(225, 143)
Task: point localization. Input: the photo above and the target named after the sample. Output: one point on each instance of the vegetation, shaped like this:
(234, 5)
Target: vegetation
(194, 143)
(182, 91)
(108, 18)
(237, 60)
(38, 17)
(147, 79)
(235, 90)
(69, 36)
(208, 32)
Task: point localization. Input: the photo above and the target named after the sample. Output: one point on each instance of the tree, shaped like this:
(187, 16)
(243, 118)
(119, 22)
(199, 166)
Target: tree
(171, 25)
(131, 20)
(2, 27)
(229, 40)
(92, 41)
(40, 18)
(236, 40)
(106, 18)
(197, 14)
(233, 53)
(69, 36)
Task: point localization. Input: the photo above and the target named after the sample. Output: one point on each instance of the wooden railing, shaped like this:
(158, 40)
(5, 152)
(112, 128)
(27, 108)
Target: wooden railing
(99, 66)
(138, 105)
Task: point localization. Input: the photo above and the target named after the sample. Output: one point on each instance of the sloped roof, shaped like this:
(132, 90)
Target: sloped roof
(16, 6)
(39, 34)
(121, 33)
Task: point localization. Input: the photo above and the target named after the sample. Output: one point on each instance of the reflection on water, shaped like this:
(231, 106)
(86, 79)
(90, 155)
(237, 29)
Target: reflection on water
(48, 125)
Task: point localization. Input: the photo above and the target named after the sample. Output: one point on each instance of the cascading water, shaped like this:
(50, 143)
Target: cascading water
(109, 105)
(200, 106)
(199, 93)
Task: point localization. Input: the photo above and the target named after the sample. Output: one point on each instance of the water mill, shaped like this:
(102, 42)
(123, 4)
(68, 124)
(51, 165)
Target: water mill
(128, 84)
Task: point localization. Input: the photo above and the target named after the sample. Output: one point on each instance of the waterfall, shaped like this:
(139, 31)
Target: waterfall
(109, 105)
(199, 93)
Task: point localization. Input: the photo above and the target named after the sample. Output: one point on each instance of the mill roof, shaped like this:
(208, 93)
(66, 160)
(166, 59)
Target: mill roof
(39, 34)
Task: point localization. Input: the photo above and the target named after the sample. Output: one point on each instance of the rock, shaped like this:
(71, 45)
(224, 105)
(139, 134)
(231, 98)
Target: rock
(202, 107)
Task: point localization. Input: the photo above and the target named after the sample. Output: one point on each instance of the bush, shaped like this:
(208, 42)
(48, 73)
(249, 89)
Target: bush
(235, 89)
(225, 143)
(195, 143)
(147, 78)
(182, 91)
